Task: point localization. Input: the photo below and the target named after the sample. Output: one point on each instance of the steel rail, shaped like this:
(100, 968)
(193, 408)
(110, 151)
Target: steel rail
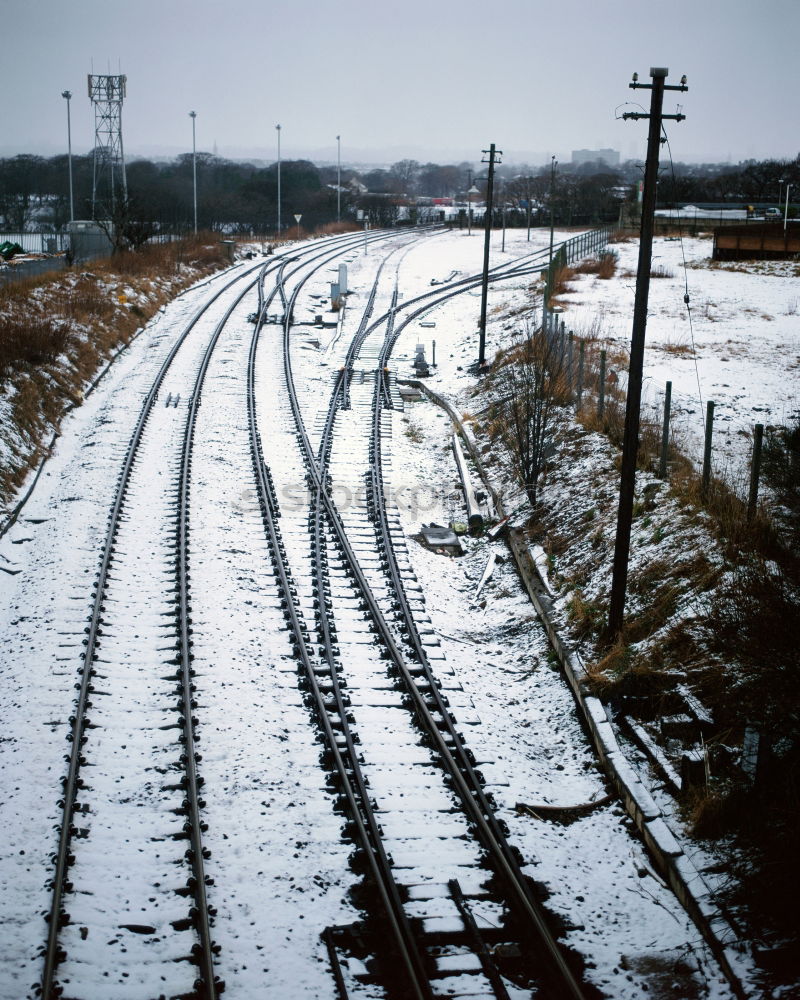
(469, 788)
(412, 959)
(459, 760)
(208, 986)
(319, 476)
(71, 782)
(317, 466)
(351, 779)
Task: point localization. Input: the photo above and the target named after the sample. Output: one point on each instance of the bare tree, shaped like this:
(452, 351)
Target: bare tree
(125, 226)
(405, 173)
(532, 383)
(380, 210)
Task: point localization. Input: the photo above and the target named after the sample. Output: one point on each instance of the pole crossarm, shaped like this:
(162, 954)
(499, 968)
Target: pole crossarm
(667, 86)
(636, 115)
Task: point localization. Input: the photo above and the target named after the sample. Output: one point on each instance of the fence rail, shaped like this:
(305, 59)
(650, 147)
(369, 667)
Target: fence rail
(38, 242)
(575, 248)
(55, 245)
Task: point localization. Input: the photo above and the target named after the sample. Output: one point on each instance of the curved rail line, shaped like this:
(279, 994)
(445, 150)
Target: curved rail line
(456, 757)
(341, 742)
(341, 746)
(53, 954)
(72, 781)
(459, 759)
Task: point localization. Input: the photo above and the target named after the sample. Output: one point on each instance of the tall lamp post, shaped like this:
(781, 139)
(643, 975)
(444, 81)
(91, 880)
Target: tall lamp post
(786, 209)
(338, 178)
(67, 94)
(278, 130)
(193, 115)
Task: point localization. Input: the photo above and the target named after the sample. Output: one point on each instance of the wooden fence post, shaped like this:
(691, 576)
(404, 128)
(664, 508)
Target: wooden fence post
(662, 465)
(707, 450)
(601, 397)
(755, 471)
(570, 373)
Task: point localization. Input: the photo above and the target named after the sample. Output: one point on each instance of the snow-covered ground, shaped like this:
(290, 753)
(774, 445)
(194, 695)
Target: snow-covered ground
(276, 845)
(741, 349)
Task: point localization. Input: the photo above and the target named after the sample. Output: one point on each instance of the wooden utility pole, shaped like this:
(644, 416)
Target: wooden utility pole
(619, 581)
(493, 154)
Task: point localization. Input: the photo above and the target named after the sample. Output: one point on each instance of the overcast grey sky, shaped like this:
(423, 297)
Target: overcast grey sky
(426, 79)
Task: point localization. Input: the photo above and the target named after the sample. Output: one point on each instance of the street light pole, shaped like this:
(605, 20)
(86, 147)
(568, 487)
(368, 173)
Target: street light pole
(67, 94)
(278, 130)
(470, 185)
(193, 115)
(553, 165)
(338, 178)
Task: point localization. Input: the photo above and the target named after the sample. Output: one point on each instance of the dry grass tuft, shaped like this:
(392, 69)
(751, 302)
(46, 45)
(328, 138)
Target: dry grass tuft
(561, 281)
(335, 228)
(604, 266)
(677, 346)
(586, 617)
(660, 271)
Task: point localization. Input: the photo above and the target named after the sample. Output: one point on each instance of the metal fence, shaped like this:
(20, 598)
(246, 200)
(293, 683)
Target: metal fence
(44, 242)
(38, 242)
(576, 248)
(84, 246)
(582, 245)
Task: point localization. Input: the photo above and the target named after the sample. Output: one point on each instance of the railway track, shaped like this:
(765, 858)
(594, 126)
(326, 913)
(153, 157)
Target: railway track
(119, 783)
(132, 804)
(425, 958)
(84, 851)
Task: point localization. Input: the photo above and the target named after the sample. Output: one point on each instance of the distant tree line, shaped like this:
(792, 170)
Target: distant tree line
(238, 197)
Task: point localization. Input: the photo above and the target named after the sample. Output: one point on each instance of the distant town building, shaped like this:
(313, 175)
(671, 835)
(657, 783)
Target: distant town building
(608, 156)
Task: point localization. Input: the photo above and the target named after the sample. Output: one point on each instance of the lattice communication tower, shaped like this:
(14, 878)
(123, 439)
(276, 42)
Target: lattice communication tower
(107, 94)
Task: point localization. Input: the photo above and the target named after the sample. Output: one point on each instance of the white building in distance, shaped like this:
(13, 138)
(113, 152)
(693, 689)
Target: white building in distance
(608, 156)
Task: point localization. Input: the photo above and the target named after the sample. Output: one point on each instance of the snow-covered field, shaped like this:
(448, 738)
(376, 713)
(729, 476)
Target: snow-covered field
(278, 857)
(741, 349)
